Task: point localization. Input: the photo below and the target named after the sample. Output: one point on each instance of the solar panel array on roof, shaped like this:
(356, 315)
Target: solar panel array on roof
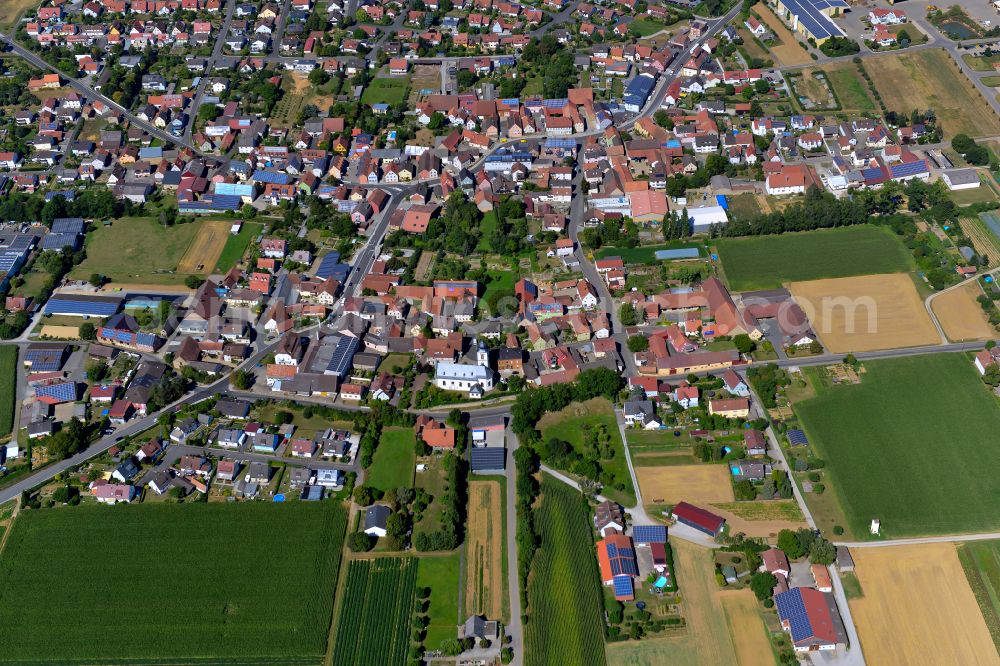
(810, 14)
(82, 305)
(792, 609)
(64, 391)
(872, 173)
(560, 143)
(343, 354)
(796, 437)
(488, 458)
(649, 534)
(908, 169)
(261, 176)
(622, 560)
(68, 225)
(623, 587)
(554, 103)
(59, 240)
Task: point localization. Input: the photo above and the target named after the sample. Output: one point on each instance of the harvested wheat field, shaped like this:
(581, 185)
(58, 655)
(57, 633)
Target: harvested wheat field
(688, 483)
(866, 313)
(706, 640)
(788, 52)
(746, 628)
(920, 597)
(484, 582)
(205, 248)
(960, 315)
(760, 519)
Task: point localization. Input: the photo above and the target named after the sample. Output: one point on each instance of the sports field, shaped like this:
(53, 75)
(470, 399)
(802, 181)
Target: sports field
(138, 250)
(204, 251)
(918, 596)
(394, 461)
(219, 582)
(8, 369)
(766, 262)
(929, 79)
(981, 563)
(565, 602)
(484, 547)
(375, 614)
(697, 484)
(571, 424)
(866, 313)
(910, 445)
(960, 315)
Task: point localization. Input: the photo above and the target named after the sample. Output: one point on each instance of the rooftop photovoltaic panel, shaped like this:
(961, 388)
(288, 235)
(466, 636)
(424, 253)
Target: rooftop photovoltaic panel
(809, 13)
(649, 533)
(65, 391)
(623, 586)
(792, 609)
(488, 458)
(95, 307)
(796, 436)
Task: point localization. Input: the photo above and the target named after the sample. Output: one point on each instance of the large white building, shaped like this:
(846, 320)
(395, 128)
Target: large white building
(462, 377)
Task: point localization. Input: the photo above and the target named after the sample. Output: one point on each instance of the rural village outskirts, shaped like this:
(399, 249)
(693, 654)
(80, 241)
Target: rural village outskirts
(533, 332)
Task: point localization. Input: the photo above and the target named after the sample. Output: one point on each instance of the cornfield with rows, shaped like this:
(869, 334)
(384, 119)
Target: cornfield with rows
(375, 614)
(246, 583)
(564, 591)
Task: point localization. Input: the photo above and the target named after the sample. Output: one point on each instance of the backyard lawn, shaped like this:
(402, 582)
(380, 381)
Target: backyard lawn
(236, 246)
(394, 460)
(69, 577)
(441, 574)
(911, 445)
(386, 91)
(766, 262)
(644, 254)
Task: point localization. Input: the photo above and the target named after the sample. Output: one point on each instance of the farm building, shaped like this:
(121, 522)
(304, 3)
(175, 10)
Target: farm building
(961, 179)
(609, 517)
(811, 618)
(82, 305)
(376, 518)
(699, 519)
(616, 557)
(812, 17)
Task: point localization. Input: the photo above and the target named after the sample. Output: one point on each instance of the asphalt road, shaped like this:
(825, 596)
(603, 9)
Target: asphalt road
(92, 94)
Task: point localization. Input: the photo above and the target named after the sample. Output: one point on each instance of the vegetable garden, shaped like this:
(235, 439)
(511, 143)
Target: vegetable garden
(375, 613)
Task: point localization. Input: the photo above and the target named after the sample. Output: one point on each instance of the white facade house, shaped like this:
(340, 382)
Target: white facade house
(462, 377)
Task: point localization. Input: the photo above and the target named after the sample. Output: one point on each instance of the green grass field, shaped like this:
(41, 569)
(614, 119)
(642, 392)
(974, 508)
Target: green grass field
(981, 563)
(221, 583)
(499, 282)
(571, 424)
(849, 87)
(375, 613)
(564, 591)
(645, 27)
(394, 460)
(236, 246)
(765, 262)
(644, 254)
(386, 91)
(8, 369)
(910, 445)
(441, 574)
(137, 250)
